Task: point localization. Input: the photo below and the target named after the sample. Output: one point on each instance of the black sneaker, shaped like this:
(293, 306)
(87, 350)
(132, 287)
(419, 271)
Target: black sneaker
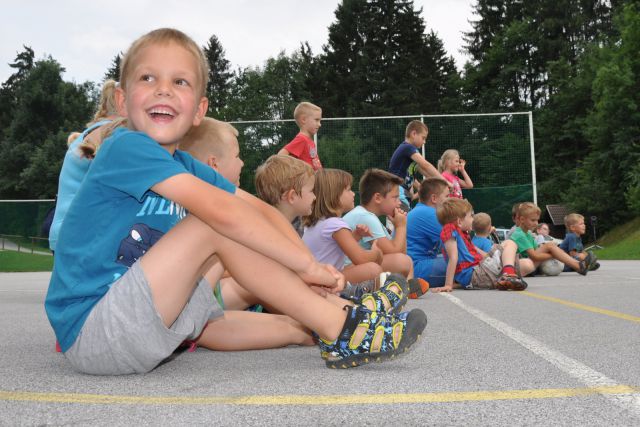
(372, 337)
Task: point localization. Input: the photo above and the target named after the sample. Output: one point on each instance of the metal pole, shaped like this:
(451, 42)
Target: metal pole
(533, 160)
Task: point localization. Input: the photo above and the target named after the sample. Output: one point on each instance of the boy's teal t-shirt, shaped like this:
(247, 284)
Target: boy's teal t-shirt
(113, 220)
(525, 241)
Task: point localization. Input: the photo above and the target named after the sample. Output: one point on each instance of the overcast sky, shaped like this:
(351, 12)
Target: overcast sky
(84, 36)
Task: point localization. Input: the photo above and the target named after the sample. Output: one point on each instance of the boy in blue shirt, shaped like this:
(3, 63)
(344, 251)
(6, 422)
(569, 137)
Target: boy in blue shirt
(423, 233)
(407, 152)
(482, 229)
(572, 243)
(149, 221)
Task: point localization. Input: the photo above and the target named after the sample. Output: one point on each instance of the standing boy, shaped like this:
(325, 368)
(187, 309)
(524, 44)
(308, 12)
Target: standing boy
(466, 267)
(415, 137)
(308, 117)
(423, 233)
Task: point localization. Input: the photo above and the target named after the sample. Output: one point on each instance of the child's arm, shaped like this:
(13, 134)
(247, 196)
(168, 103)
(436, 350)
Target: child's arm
(399, 242)
(356, 253)
(465, 182)
(426, 168)
(237, 220)
(451, 247)
(274, 216)
(283, 152)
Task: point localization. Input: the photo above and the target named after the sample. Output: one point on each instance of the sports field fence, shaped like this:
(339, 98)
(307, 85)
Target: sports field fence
(498, 148)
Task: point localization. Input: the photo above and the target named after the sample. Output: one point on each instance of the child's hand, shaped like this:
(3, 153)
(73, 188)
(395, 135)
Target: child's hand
(446, 288)
(463, 162)
(361, 231)
(399, 218)
(323, 278)
(378, 251)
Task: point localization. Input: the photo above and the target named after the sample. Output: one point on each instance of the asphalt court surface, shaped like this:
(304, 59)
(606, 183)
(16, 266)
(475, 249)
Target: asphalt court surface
(564, 352)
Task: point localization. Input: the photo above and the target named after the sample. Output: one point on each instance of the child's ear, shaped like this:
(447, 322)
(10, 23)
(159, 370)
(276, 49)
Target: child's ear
(201, 111)
(288, 196)
(212, 162)
(377, 198)
(121, 104)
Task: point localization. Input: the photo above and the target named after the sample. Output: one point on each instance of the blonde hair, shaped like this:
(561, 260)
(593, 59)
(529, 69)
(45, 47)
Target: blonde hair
(572, 219)
(304, 108)
(528, 208)
(415, 126)
(481, 223)
(446, 156)
(452, 209)
(430, 186)
(376, 181)
(107, 107)
(207, 139)
(328, 188)
(90, 146)
(165, 36)
(279, 174)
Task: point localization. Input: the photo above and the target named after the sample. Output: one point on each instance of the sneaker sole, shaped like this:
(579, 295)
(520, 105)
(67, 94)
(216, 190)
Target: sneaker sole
(508, 286)
(416, 322)
(417, 288)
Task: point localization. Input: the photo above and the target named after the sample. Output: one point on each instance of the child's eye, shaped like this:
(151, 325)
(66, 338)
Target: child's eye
(146, 78)
(181, 82)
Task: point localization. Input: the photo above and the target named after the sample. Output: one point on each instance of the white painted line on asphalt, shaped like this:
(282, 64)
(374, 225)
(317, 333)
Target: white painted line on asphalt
(23, 290)
(568, 365)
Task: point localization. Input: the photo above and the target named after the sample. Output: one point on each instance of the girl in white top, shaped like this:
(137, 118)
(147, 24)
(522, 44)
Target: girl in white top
(329, 237)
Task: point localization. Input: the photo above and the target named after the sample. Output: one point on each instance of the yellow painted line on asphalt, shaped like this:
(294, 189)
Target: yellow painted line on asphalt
(372, 399)
(584, 307)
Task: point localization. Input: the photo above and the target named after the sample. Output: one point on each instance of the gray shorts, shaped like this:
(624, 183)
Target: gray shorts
(124, 333)
(485, 275)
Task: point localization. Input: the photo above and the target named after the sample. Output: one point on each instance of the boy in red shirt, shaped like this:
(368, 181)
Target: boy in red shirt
(308, 117)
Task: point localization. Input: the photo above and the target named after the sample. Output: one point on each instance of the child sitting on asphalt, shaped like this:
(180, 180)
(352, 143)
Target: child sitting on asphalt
(542, 234)
(466, 267)
(379, 196)
(330, 238)
(288, 184)
(572, 243)
(423, 233)
(482, 230)
(123, 297)
(308, 117)
(533, 255)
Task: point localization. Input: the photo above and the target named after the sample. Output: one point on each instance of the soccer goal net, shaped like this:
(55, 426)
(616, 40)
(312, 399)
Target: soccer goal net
(498, 149)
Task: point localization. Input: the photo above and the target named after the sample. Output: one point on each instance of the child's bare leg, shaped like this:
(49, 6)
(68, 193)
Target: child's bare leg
(245, 330)
(398, 263)
(235, 297)
(556, 252)
(181, 256)
(527, 266)
(359, 273)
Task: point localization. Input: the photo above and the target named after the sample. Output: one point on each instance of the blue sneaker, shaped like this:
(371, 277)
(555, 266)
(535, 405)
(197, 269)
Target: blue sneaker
(372, 337)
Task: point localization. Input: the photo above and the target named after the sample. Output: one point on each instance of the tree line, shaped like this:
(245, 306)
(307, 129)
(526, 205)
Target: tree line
(574, 63)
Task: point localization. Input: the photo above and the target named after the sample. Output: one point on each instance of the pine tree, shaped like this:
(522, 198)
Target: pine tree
(220, 76)
(113, 72)
(380, 61)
